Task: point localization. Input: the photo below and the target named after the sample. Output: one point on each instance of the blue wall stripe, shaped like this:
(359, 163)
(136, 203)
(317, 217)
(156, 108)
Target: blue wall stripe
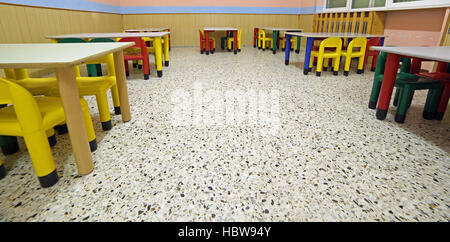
(86, 5)
(214, 9)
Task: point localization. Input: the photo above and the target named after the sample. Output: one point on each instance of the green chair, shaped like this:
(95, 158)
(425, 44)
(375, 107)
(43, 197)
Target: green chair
(405, 84)
(92, 69)
(98, 67)
(378, 79)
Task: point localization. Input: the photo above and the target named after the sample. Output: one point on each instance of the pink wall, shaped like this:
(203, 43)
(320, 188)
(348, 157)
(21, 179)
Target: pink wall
(414, 28)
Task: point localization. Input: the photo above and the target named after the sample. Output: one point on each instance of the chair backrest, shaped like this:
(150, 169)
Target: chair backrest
(25, 106)
(261, 34)
(102, 40)
(9, 74)
(202, 37)
(71, 40)
(138, 43)
(16, 74)
(359, 42)
(381, 64)
(331, 42)
(374, 42)
(239, 34)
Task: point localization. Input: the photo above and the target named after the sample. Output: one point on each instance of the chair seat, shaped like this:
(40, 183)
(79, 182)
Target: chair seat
(133, 57)
(51, 110)
(440, 76)
(38, 86)
(49, 86)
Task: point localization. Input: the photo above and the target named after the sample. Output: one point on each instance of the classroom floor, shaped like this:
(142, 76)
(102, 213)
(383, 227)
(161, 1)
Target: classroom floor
(330, 160)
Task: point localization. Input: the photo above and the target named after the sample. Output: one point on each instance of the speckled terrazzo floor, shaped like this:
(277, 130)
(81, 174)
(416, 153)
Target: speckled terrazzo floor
(331, 159)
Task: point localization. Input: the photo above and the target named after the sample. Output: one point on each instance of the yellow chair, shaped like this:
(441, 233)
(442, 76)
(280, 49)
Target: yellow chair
(87, 86)
(293, 43)
(231, 40)
(262, 39)
(43, 87)
(324, 54)
(359, 42)
(31, 117)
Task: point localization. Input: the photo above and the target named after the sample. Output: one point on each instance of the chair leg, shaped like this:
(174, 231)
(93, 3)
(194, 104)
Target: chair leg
(2, 169)
(51, 137)
(99, 69)
(325, 64)
(360, 65)
(311, 61)
(430, 108)
(375, 93)
(89, 126)
(410, 98)
(127, 72)
(92, 70)
(443, 102)
(336, 65)
(374, 62)
(348, 61)
(103, 109)
(115, 98)
(9, 144)
(41, 157)
(405, 96)
(396, 96)
(319, 65)
(146, 66)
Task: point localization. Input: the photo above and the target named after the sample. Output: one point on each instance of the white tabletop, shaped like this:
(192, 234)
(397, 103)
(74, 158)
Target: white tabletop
(341, 35)
(220, 29)
(157, 29)
(435, 53)
(109, 35)
(54, 55)
(280, 29)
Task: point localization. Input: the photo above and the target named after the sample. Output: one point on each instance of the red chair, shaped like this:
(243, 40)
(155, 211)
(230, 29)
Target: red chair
(143, 55)
(374, 53)
(203, 43)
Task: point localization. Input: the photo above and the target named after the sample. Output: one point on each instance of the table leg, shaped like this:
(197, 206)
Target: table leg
(70, 99)
(287, 49)
(207, 42)
(235, 41)
(309, 45)
(166, 50)
(274, 44)
(121, 80)
(387, 85)
(158, 55)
